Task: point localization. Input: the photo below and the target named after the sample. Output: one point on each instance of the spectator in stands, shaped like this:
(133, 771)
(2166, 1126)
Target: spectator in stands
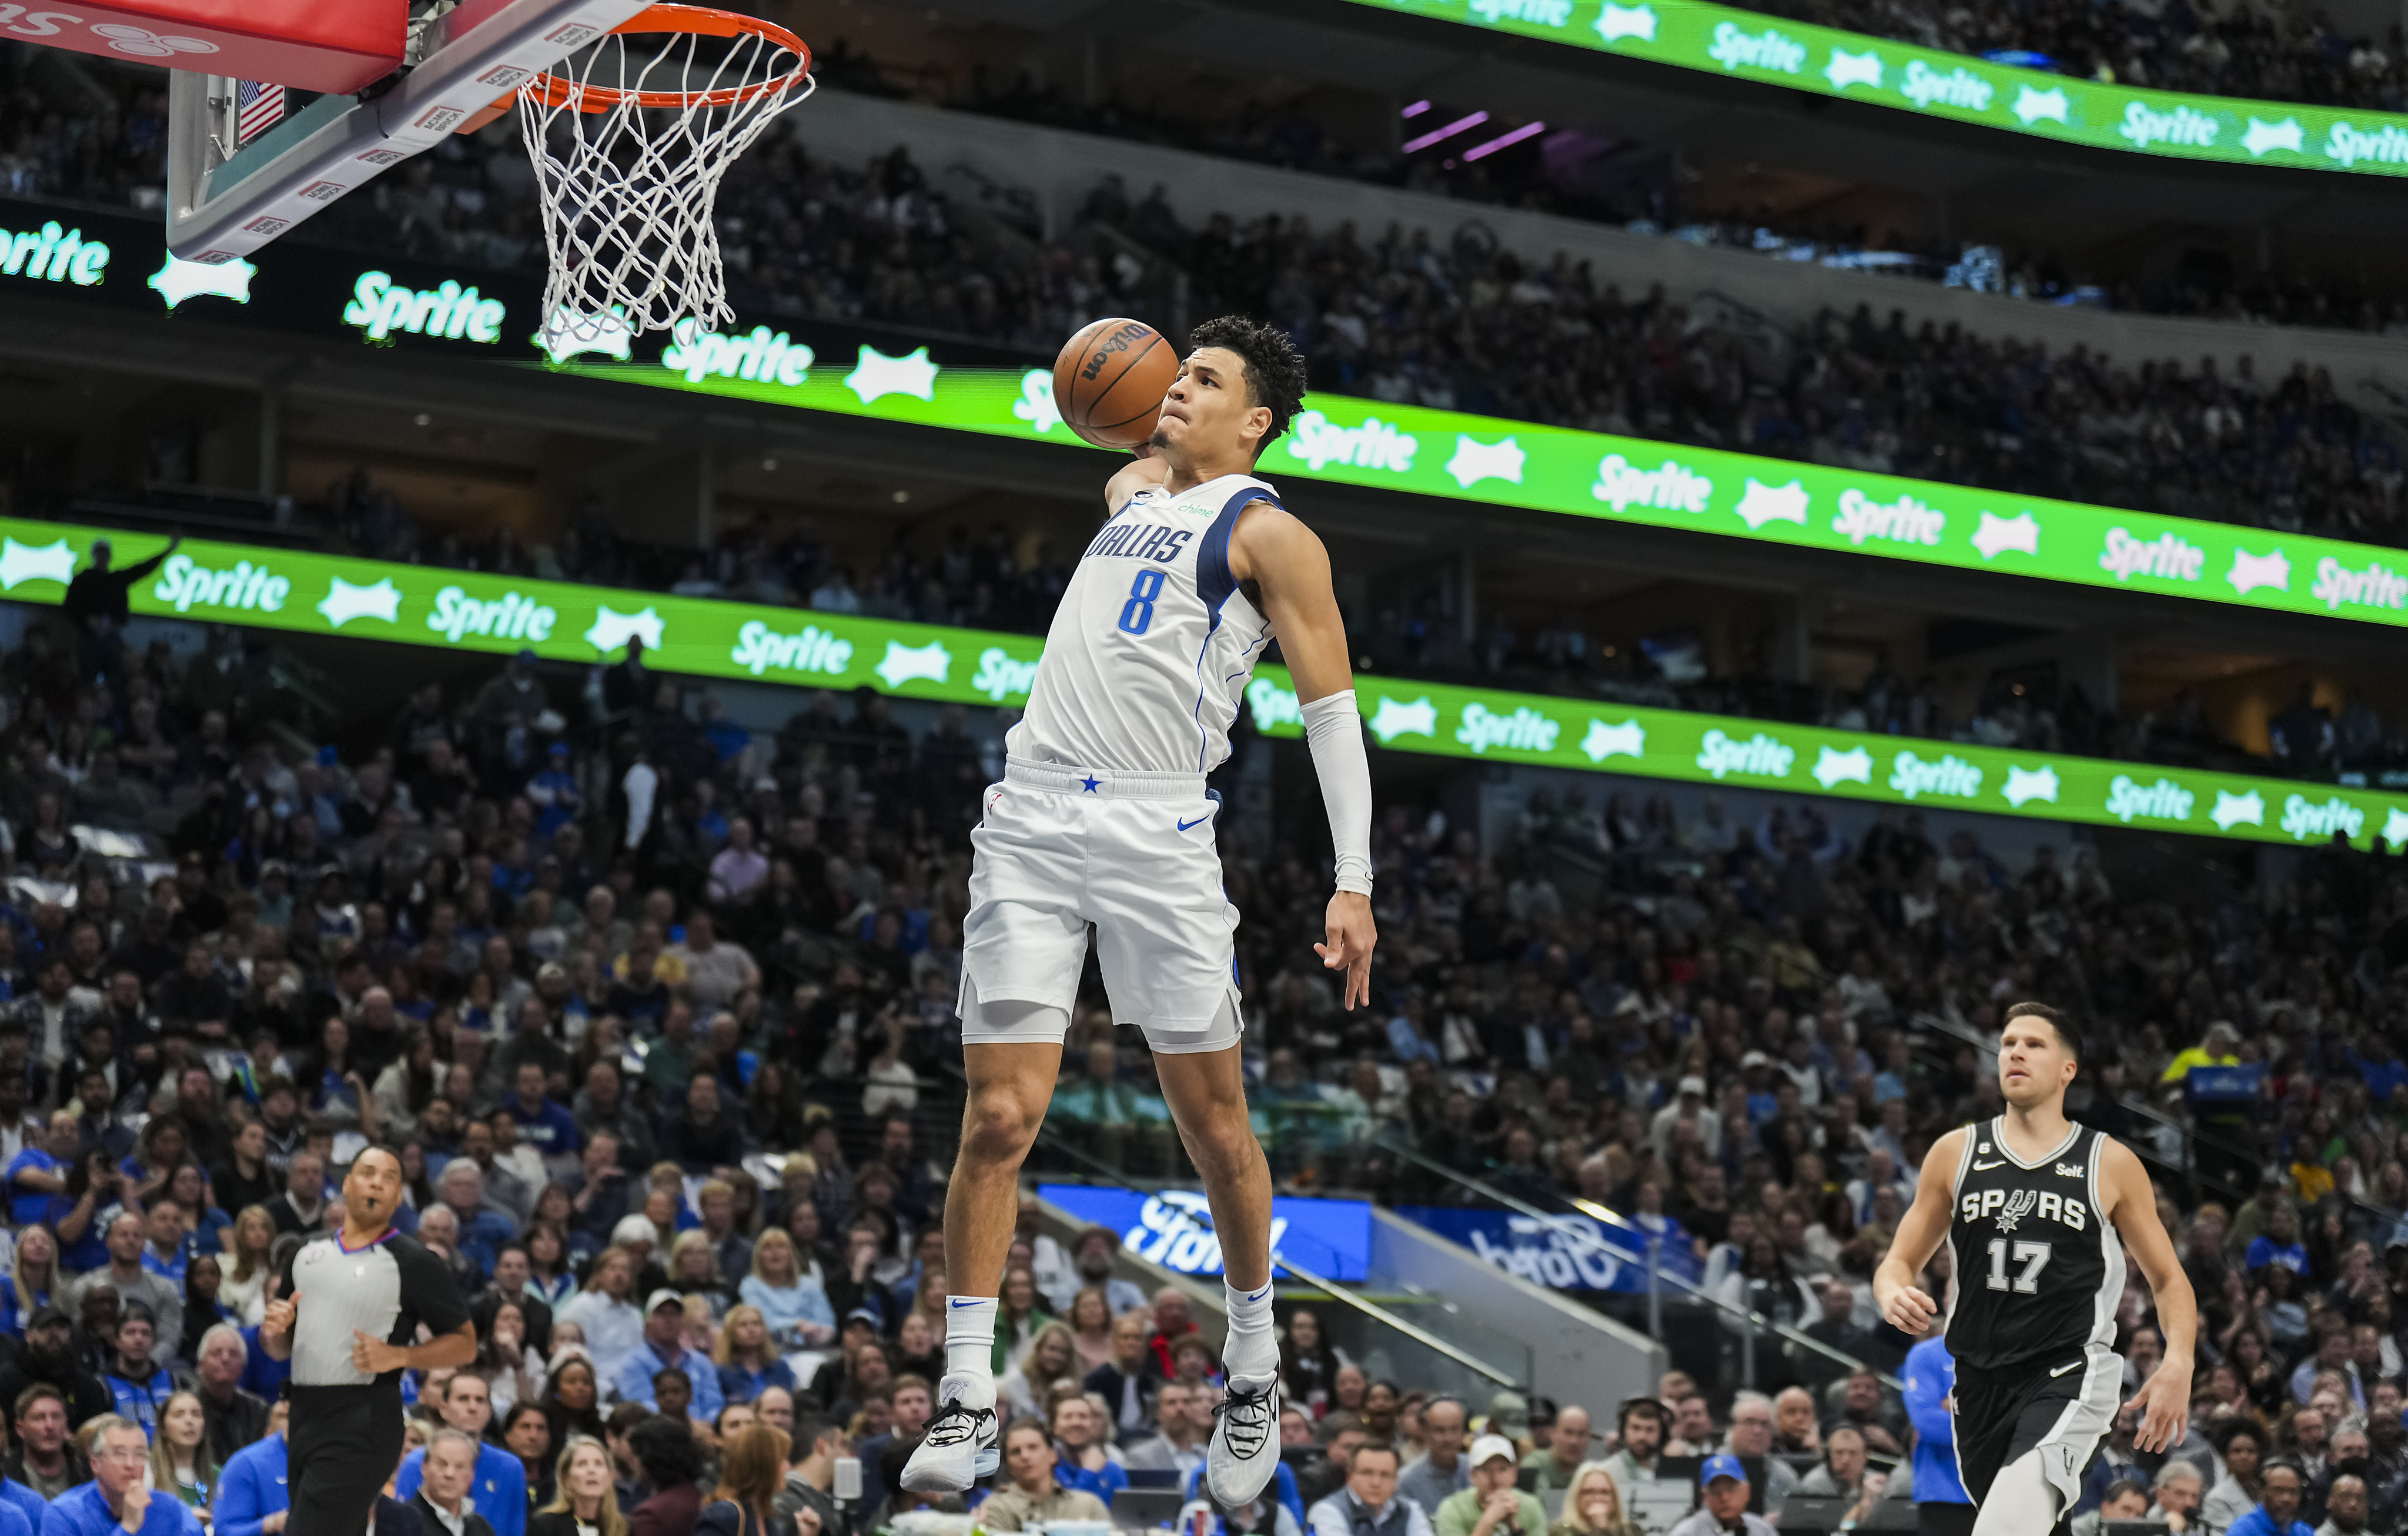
(1493, 1504)
(1368, 1504)
(2278, 1509)
(1034, 1495)
(1441, 1469)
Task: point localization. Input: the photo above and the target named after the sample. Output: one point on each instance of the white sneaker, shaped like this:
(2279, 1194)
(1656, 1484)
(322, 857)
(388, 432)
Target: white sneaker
(1244, 1451)
(959, 1449)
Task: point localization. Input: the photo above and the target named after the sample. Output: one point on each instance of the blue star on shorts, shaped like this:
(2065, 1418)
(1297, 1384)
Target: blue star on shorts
(1092, 783)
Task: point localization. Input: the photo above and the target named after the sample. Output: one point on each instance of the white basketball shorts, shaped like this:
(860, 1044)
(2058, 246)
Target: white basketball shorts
(1059, 848)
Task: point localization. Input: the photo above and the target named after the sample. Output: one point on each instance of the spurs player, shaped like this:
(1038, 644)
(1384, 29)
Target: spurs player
(2032, 1207)
(1102, 818)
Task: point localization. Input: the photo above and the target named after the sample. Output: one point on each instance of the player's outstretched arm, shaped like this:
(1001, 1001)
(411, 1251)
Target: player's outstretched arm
(2164, 1399)
(1904, 1304)
(1289, 566)
(1142, 473)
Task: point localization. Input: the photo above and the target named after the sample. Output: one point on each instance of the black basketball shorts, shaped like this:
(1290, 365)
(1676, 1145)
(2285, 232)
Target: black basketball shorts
(2061, 1407)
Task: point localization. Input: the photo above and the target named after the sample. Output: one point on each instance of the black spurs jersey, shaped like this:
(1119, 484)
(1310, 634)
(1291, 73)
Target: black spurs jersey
(2038, 1271)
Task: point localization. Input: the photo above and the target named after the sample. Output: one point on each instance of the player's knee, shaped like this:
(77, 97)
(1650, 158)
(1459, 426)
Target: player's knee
(1221, 1142)
(1000, 1123)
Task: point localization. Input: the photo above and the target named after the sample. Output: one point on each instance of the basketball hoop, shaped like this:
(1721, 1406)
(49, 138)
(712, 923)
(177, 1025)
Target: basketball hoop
(630, 141)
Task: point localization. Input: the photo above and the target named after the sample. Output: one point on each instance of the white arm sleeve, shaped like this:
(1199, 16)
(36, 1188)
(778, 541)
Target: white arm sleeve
(1333, 729)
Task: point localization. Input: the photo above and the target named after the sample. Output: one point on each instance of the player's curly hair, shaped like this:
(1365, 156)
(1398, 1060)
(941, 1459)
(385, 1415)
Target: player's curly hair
(1274, 369)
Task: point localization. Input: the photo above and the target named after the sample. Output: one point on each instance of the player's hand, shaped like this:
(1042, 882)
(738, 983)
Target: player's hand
(1351, 936)
(274, 1522)
(1910, 1311)
(2164, 1401)
(280, 1314)
(375, 1357)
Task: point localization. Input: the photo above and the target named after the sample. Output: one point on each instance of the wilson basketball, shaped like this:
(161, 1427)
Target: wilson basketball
(1109, 381)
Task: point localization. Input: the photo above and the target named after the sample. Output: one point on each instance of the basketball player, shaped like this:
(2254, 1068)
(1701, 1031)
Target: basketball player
(350, 1326)
(2026, 1202)
(1102, 817)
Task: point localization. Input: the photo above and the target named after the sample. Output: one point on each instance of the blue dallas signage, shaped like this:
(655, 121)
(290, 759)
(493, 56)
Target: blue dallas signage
(1566, 1253)
(1174, 1229)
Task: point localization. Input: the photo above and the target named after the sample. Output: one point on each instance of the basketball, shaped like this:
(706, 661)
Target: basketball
(1109, 381)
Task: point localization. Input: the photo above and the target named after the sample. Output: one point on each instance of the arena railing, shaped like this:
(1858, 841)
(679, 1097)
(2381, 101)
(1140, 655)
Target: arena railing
(1667, 1289)
(1412, 1352)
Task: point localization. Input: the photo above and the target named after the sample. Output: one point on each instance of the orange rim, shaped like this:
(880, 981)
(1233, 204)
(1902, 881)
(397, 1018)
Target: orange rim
(552, 91)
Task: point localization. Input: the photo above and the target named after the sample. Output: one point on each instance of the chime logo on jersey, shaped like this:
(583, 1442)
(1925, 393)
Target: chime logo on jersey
(2011, 1207)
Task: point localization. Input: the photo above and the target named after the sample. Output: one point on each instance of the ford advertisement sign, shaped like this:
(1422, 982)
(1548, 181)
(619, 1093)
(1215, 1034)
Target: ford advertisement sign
(1566, 1253)
(1174, 1229)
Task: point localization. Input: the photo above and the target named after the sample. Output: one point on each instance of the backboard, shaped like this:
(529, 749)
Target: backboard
(229, 193)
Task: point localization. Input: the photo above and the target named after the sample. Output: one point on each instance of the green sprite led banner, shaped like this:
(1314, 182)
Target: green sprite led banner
(1750, 45)
(1618, 480)
(419, 605)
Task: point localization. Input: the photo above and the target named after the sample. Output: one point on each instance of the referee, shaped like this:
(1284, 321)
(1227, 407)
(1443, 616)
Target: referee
(348, 1324)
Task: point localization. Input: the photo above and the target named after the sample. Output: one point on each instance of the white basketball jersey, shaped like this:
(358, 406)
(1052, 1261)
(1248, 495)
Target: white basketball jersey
(1148, 657)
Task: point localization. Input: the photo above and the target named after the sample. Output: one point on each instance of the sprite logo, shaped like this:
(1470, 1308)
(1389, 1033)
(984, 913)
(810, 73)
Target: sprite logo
(2304, 818)
(1524, 730)
(509, 617)
(55, 255)
(760, 357)
(1735, 47)
(1375, 445)
(2377, 586)
(2182, 126)
(1914, 777)
(188, 585)
(2349, 144)
(1543, 13)
(380, 306)
(2163, 801)
(1760, 756)
(1960, 87)
(1905, 521)
(1273, 704)
(2167, 557)
(1001, 677)
(758, 647)
(1673, 486)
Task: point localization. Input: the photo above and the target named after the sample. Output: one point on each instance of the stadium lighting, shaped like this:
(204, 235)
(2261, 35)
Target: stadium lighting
(1458, 126)
(1501, 140)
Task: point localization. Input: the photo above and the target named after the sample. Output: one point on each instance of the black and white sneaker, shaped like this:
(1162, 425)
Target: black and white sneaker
(1244, 1451)
(960, 1448)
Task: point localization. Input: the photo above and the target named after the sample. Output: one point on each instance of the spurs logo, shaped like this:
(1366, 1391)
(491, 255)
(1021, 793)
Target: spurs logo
(2018, 1206)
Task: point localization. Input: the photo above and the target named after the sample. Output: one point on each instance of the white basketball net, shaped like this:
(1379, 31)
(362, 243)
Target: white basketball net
(627, 190)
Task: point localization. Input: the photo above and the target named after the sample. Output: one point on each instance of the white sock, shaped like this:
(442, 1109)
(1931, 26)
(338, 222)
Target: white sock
(1253, 1350)
(969, 1348)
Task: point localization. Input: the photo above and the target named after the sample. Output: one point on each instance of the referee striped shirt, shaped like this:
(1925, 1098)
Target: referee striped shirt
(384, 1290)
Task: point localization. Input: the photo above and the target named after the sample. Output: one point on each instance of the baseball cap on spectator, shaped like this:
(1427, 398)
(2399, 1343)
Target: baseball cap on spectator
(636, 1230)
(861, 1314)
(45, 1316)
(1488, 1448)
(1755, 1058)
(551, 970)
(1695, 1084)
(663, 1298)
(1721, 1466)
